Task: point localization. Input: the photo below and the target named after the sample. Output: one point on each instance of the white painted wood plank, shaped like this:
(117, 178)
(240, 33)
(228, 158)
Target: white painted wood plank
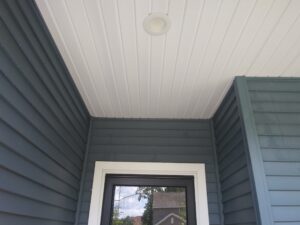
(141, 10)
(204, 34)
(176, 12)
(121, 71)
(126, 18)
(225, 18)
(191, 19)
(102, 48)
(157, 55)
(272, 20)
(250, 29)
(111, 22)
(242, 13)
(288, 22)
(77, 13)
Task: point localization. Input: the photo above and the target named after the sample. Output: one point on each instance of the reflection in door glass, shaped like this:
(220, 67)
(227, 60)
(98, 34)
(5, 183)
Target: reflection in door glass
(149, 205)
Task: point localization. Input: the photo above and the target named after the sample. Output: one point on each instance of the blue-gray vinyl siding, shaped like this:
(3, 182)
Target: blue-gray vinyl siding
(43, 123)
(179, 141)
(276, 109)
(238, 195)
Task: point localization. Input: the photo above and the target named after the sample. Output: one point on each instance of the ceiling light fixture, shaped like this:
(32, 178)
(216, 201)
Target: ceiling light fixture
(157, 24)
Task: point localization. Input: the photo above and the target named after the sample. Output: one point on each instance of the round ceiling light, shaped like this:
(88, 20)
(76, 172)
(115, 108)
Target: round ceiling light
(157, 24)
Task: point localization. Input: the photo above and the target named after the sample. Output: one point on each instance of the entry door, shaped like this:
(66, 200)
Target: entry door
(148, 200)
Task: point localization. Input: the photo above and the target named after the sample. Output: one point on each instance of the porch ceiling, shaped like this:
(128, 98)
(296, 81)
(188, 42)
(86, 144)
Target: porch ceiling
(121, 71)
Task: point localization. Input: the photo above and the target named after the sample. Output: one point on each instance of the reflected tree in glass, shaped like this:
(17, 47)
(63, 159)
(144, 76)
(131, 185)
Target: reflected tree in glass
(149, 205)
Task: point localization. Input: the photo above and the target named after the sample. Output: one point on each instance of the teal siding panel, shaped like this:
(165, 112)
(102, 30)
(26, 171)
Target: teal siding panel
(237, 192)
(180, 141)
(43, 123)
(275, 103)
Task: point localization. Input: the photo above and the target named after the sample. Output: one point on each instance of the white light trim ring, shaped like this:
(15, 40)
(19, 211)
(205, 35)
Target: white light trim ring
(157, 24)
(197, 170)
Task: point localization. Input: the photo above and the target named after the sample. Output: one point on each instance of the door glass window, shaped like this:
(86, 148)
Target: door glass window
(149, 205)
(148, 200)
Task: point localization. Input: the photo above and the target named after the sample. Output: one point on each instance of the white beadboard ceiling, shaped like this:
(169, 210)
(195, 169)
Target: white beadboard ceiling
(121, 71)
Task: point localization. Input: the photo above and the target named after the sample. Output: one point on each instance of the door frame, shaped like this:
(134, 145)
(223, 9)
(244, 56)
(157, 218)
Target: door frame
(197, 170)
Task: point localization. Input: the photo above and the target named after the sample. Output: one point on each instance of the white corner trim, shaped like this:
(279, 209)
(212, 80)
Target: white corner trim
(197, 170)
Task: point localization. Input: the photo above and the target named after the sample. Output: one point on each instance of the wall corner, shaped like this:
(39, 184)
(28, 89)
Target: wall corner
(253, 152)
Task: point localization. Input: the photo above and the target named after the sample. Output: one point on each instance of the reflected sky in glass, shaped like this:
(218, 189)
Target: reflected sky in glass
(127, 203)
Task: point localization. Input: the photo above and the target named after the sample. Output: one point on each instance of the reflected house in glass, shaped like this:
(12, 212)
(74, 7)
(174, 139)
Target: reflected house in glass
(169, 208)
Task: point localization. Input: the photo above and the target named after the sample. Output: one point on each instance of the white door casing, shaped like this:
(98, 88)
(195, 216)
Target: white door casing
(197, 170)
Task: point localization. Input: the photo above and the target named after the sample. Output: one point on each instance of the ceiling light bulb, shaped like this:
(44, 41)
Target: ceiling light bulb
(157, 24)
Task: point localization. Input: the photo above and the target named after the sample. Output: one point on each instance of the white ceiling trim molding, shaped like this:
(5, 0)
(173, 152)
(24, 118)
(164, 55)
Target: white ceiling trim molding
(122, 71)
(197, 170)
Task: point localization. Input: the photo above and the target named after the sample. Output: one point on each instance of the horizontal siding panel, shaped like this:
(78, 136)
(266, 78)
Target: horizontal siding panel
(280, 85)
(19, 91)
(286, 213)
(14, 219)
(12, 182)
(15, 101)
(151, 133)
(236, 178)
(237, 191)
(282, 168)
(281, 155)
(287, 223)
(276, 107)
(214, 218)
(232, 124)
(279, 142)
(44, 155)
(243, 216)
(234, 167)
(158, 141)
(146, 157)
(234, 149)
(12, 203)
(225, 105)
(231, 156)
(197, 150)
(230, 117)
(243, 202)
(277, 118)
(285, 198)
(275, 130)
(176, 141)
(19, 50)
(238, 206)
(214, 208)
(227, 135)
(28, 151)
(56, 61)
(284, 97)
(36, 111)
(283, 183)
(151, 124)
(8, 160)
(43, 126)
(40, 57)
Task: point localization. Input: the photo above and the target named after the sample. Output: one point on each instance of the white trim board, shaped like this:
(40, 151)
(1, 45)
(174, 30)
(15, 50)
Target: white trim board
(197, 170)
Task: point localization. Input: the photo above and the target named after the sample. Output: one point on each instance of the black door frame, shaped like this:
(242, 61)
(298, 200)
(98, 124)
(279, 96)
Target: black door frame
(112, 180)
